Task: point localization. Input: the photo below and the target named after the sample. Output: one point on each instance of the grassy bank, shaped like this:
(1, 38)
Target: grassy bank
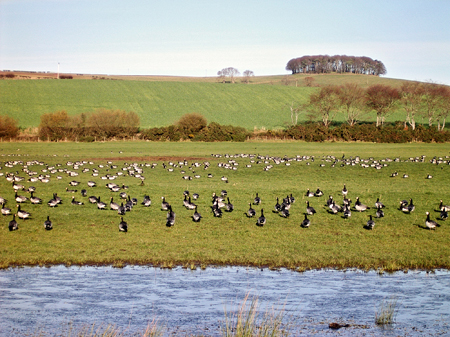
(86, 235)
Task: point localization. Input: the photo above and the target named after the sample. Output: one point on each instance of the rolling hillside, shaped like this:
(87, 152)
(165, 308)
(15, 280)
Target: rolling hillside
(161, 102)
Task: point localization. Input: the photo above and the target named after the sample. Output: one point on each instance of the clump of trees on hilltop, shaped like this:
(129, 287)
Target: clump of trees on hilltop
(322, 64)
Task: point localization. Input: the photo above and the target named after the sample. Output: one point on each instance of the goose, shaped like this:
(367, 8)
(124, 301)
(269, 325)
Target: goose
(405, 176)
(344, 191)
(74, 183)
(403, 205)
(217, 212)
(20, 198)
(286, 204)
(91, 183)
(22, 214)
(123, 226)
(330, 200)
(309, 194)
(218, 201)
(164, 204)
(291, 199)
(17, 187)
(229, 207)
(429, 176)
(444, 215)
(58, 199)
(284, 212)
(411, 206)
(257, 200)
(191, 205)
(2, 200)
(31, 189)
(195, 196)
(128, 205)
(379, 204)
(83, 193)
(318, 193)
(370, 223)
(5, 210)
(309, 209)
(113, 205)
(35, 200)
(124, 187)
(70, 191)
(170, 217)
(123, 195)
(223, 193)
(430, 223)
(277, 206)
(251, 212)
(13, 226)
(185, 201)
(347, 212)
(443, 207)
(306, 222)
(147, 201)
(121, 209)
(261, 220)
(196, 216)
(379, 213)
(48, 224)
(394, 174)
(75, 202)
(335, 208)
(225, 179)
(359, 206)
(347, 202)
(100, 205)
(93, 199)
(53, 202)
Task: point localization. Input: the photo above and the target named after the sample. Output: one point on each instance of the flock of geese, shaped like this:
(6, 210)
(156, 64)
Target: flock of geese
(219, 202)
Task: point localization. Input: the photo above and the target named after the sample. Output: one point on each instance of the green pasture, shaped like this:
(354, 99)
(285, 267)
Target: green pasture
(85, 235)
(262, 104)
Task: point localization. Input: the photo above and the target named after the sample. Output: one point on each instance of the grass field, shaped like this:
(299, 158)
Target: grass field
(161, 101)
(86, 235)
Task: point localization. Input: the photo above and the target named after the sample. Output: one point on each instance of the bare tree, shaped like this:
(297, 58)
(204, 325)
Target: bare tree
(228, 72)
(432, 98)
(444, 110)
(352, 100)
(411, 100)
(295, 110)
(382, 98)
(325, 103)
(247, 75)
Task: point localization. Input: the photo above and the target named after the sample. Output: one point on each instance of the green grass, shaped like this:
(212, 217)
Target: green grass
(262, 104)
(85, 235)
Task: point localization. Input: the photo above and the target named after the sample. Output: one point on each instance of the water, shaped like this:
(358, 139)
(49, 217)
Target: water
(49, 301)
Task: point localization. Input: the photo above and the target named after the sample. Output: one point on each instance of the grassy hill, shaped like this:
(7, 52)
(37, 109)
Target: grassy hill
(160, 101)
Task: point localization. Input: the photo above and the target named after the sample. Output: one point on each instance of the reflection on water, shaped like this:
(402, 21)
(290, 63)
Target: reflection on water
(48, 300)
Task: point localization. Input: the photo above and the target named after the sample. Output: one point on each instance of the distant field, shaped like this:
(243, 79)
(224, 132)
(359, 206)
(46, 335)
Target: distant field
(160, 101)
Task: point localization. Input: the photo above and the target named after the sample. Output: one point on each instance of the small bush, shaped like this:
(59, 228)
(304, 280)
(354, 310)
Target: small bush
(191, 124)
(8, 127)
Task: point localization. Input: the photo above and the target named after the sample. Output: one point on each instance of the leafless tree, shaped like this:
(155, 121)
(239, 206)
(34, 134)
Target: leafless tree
(381, 98)
(228, 72)
(352, 101)
(411, 100)
(247, 75)
(325, 103)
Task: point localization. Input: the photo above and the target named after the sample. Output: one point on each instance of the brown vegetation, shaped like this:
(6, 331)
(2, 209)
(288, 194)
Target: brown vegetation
(8, 127)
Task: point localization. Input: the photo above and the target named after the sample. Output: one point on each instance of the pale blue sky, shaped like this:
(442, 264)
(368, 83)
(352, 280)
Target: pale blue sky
(200, 37)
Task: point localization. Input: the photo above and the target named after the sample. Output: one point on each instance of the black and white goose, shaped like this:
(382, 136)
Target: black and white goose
(100, 204)
(403, 206)
(379, 213)
(83, 193)
(257, 200)
(329, 201)
(164, 204)
(344, 191)
(75, 202)
(170, 217)
(217, 212)
(113, 205)
(309, 194)
(20, 198)
(411, 207)
(251, 212)
(360, 207)
(309, 209)
(5, 210)
(347, 212)
(277, 206)
(335, 208)
(284, 211)
(123, 226)
(291, 199)
(318, 193)
(430, 224)
(196, 217)
(444, 215)
(13, 225)
(379, 204)
(306, 222)
(71, 191)
(91, 183)
(121, 210)
(35, 200)
(53, 202)
(147, 202)
(262, 219)
(48, 224)
(443, 207)
(93, 199)
(22, 214)
(229, 207)
(370, 223)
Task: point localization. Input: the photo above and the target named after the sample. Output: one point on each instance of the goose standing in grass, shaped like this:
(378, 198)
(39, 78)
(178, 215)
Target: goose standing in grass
(196, 217)
(431, 224)
(370, 223)
(147, 201)
(286, 204)
(121, 209)
(306, 222)
(309, 194)
(100, 204)
(347, 212)
(379, 204)
(344, 191)
(257, 200)
(262, 219)
(35, 200)
(229, 207)
(284, 211)
(5, 210)
(22, 214)
(277, 206)
(443, 207)
(91, 183)
(48, 224)
(164, 204)
(444, 215)
(335, 208)
(13, 225)
(217, 212)
(75, 202)
(403, 206)
(123, 226)
(113, 205)
(83, 193)
(379, 213)
(170, 217)
(359, 206)
(329, 201)
(20, 198)
(93, 199)
(318, 192)
(53, 202)
(251, 212)
(309, 209)
(411, 206)
(291, 199)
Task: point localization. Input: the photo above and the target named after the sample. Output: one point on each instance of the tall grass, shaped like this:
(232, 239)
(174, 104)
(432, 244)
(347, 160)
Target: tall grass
(387, 312)
(248, 321)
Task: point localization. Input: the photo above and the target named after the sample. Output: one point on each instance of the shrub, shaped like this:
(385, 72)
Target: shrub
(215, 132)
(8, 127)
(54, 125)
(112, 123)
(191, 124)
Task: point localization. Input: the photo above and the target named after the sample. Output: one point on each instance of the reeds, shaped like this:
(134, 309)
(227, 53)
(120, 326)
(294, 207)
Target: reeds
(387, 312)
(249, 322)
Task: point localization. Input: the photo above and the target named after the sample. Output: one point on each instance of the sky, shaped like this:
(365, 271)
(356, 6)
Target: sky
(201, 37)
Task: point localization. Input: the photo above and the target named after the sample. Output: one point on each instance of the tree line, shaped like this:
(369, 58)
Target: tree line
(321, 64)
